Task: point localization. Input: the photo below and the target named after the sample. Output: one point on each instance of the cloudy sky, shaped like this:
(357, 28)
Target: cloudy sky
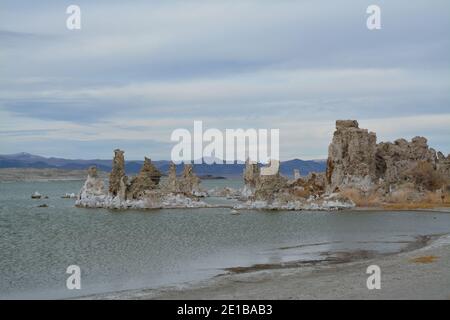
(137, 70)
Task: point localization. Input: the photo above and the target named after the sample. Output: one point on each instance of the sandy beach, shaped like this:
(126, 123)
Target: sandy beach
(419, 274)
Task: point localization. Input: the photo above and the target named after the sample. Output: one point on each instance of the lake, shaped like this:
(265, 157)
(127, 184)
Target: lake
(123, 250)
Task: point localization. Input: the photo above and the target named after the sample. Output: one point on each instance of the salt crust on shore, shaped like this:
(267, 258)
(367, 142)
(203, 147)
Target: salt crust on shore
(327, 203)
(167, 202)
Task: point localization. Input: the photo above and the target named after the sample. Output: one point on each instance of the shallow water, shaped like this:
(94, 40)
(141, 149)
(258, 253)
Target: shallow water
(121, 250)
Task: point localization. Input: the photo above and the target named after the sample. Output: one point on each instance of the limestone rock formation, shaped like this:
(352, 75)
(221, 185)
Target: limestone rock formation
(147, 179)
(297, 174)
(144, 191)
(443, 166)
(264, 182)
(356, 161)
(117, 177)
(189, 183)
(359, 172)
(351, 155)
(93, 186)
(171, 184)
(251, 177)
(312, 185)
(269, 185)
(395, 161)
(151, 171)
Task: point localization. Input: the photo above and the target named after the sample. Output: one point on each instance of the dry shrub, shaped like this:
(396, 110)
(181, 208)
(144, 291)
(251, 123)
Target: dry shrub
(429, 200)
(360, 198)
(425, 176)
(425, 259)
(406, 193)
(432, 197)
(437, 198)
(408, 206)
(446, 197)
(302, 193)
(400, 196)
(352, 194)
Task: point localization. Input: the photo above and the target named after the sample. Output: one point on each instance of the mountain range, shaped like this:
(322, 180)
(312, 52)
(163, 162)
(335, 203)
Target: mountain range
(27, 160)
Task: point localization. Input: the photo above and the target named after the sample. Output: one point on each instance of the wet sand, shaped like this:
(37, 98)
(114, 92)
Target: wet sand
(418, 274)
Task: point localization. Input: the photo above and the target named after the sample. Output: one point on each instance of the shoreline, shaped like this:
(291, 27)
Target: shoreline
(382, 209)
(403, 276)
(423, 264)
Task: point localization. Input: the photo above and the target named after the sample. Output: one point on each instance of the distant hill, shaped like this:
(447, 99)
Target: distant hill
(26, 160)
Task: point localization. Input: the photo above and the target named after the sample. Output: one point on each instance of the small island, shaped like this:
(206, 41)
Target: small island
(360, 173)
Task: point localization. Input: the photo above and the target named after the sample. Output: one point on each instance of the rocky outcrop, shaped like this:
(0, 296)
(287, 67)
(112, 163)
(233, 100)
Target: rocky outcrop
(143, 192)
(262, 183)
(251, 178)
(188, 183)
(355, 160)
(297, 174)
(397, 161)
(94, 185)
(147, 179)
(269, 185)
(151, 171)
(330, 202)
(443, 166)
(359, 172)
(351, 155)
(275, 192)
(36, 195)
(171, 184)
(412, 162)
(93, 190)
(312, 185)
(117, 177)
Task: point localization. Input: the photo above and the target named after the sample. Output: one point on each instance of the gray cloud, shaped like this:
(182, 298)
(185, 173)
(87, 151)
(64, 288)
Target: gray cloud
(251, 63)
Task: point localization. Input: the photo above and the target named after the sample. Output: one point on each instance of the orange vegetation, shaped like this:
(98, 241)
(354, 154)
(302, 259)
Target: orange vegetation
(414, 206)
(425, 259)
(405, 198)
(360, 199)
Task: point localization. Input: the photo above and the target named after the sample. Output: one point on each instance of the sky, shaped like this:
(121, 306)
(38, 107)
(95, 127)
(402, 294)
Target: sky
(137, 70)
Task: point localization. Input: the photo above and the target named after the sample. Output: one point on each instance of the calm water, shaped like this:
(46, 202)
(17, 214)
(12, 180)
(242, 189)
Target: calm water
(119, 250)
